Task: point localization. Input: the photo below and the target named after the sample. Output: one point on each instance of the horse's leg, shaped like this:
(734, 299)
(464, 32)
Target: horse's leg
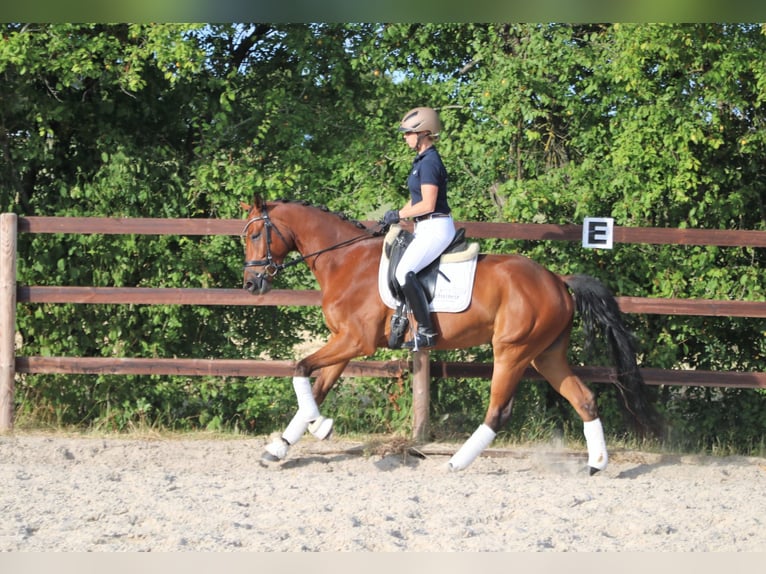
(507, 371)
(552, 364)
(331, 360)
(308, 416)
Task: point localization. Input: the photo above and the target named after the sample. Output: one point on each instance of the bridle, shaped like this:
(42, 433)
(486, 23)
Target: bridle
(270, 265)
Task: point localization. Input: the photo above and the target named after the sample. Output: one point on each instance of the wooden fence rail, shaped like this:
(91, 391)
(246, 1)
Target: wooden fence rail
(420, 365)
(391, 368)
(287, 297)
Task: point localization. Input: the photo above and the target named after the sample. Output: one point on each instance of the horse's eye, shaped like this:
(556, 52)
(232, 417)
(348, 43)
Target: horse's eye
(255, 236)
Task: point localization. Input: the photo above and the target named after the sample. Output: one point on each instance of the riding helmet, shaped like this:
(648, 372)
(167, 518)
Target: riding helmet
(421, 120)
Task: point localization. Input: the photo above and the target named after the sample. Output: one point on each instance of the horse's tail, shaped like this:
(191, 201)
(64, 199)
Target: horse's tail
(599, 311)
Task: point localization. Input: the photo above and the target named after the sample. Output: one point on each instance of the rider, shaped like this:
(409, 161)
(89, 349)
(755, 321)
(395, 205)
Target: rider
(428, 207)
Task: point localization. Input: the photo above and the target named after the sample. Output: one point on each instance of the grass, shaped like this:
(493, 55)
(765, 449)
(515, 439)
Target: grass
(532, 427)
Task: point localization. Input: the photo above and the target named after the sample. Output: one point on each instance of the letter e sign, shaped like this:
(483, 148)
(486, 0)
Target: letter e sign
(597, 232)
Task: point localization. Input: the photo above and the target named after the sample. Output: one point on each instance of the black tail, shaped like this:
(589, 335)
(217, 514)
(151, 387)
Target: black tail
(599, 311)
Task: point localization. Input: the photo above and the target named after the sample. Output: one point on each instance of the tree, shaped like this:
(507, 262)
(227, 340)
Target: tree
(654, 125)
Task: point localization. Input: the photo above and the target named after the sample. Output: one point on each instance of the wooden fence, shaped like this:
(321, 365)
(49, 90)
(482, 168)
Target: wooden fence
(419, 364)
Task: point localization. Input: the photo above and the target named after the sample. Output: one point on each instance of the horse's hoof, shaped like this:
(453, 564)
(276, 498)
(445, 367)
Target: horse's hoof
(275, 451)
(593, 470)
(269, 458)
(321, 428)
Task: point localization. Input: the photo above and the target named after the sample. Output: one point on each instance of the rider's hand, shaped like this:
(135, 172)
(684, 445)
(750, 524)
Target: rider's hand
(391, 217)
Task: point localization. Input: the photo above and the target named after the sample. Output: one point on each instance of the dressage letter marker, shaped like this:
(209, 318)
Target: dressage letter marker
(597, 232)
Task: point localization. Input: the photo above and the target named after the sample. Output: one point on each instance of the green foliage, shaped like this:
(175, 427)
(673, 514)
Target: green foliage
(652, 124)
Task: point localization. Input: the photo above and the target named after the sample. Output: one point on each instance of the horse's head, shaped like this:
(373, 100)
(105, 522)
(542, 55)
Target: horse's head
(265, 248)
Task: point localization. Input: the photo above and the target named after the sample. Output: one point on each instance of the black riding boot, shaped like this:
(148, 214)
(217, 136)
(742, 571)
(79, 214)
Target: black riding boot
(425, 336)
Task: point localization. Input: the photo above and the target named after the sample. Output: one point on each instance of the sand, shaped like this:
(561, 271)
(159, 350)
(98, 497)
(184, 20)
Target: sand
(75, 493)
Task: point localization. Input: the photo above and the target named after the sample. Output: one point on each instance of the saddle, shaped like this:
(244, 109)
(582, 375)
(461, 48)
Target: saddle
(396, 242)
(447, 281)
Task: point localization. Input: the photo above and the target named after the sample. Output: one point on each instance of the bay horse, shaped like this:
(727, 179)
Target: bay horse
(523, 309)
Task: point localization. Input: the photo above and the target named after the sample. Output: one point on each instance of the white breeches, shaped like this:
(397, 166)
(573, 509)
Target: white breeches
(432, 236)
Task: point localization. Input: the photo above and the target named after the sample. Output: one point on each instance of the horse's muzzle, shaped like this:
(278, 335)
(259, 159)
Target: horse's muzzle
(256, 284)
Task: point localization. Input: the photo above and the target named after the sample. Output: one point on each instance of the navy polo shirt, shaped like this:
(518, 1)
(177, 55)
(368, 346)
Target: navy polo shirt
(428, 168)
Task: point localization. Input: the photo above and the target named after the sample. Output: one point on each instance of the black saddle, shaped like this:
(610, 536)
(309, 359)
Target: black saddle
(428, 275)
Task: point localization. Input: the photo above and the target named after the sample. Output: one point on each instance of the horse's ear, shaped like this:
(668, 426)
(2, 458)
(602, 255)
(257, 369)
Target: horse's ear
(257, 203)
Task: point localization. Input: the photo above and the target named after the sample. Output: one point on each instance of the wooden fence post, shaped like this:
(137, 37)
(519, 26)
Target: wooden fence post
(8, 228)
(421, 394)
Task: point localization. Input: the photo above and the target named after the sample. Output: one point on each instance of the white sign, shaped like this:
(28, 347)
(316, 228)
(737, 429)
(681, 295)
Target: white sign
(597, 232)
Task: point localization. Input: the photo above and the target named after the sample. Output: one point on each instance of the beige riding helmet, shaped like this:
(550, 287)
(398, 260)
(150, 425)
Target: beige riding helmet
(421, 120)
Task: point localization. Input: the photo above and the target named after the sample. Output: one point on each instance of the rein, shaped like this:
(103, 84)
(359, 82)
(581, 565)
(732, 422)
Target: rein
(271, 267)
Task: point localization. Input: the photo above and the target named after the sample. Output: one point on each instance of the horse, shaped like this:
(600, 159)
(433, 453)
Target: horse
(522, 308)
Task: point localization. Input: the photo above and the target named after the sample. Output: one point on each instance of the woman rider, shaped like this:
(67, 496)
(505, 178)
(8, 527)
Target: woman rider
(429, 209)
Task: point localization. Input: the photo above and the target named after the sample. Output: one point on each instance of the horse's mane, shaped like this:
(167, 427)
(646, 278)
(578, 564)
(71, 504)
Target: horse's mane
(325, 209)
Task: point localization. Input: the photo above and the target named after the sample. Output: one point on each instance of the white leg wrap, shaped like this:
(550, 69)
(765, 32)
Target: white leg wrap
(308, 410)
(477, 442)
(295, 429)
(321, 427)
(307, 406)
(594, 438)
(279, 447)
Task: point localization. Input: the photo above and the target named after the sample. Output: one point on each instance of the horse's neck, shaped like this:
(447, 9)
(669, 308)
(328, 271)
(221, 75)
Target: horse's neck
(320, 234)
(323, 235)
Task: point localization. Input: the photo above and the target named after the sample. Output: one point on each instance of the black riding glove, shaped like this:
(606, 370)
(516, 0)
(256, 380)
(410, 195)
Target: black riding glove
(391, 217)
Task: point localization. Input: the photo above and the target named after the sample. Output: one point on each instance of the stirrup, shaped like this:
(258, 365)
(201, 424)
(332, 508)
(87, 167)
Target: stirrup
(421, 340)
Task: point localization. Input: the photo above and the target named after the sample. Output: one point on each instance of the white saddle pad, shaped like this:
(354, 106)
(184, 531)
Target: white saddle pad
(454, 283)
